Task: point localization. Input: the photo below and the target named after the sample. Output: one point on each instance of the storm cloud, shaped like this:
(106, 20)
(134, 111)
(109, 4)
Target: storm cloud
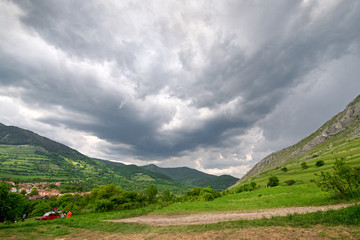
(214, 85)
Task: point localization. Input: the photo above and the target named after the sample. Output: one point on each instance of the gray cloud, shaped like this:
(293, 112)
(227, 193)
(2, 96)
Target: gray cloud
(204, 84)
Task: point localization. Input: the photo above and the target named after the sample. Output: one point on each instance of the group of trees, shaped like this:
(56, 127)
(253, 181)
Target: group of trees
(201, 194)
(12, 205)
(105, 198)
(246, 187)
(343, 180)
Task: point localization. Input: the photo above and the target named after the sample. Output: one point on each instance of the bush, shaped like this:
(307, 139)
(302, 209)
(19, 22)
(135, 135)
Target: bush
(284, 169)
(273, 181)
(319, 163)
(205, 194)
(304, 165)
(246, 187)
(41, 207)
(104, 205)
(207, 197)
(289, 182)
(151, 192)
(344, 180)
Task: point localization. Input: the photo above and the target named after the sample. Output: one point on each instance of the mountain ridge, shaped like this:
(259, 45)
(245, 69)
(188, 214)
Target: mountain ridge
(193, 177)
(25, 154)
(345, 124)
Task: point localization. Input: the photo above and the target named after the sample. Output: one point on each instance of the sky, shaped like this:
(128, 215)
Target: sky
(211, 85)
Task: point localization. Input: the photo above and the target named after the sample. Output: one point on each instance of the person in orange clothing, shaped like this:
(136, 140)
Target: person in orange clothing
(68, 214)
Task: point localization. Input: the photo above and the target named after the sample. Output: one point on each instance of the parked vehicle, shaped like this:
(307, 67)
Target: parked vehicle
(49, 216)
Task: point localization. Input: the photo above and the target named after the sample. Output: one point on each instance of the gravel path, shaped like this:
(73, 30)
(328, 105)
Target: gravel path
(206, 218)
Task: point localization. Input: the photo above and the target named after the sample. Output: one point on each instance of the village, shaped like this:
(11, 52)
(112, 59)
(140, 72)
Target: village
(42, 190)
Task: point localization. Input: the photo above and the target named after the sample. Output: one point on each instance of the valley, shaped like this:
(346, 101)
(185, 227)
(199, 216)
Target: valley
(296, 201)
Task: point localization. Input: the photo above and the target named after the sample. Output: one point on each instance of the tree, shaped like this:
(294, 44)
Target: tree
(284, 169)
(167, 196)
(151, 192)
(12, 205)
(344, 180)
(41, 207)
(65, 200)
(273, 181)
(33, 191)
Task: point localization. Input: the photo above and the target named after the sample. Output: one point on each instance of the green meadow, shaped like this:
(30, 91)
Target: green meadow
(336, 148)
(270, 198)
(281, 196)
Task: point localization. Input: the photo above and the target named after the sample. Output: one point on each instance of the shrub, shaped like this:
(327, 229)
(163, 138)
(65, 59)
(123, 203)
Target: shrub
(41, 207)
(207, 197)
(246, 187)
(304, 165)
(319, 163)
(284, 169)
(273, 181)
(104, 205)
(151, 192)
(289, 182)
(344, 180)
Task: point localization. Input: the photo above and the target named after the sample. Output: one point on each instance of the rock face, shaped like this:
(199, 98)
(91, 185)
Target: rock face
(345, 123)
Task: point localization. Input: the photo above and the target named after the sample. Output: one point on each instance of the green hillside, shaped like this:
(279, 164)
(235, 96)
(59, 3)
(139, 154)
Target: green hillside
(338, 138)
(194, 177)
(26, 156)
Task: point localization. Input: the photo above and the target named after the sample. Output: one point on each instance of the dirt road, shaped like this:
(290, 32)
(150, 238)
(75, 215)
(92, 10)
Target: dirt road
(207, 218)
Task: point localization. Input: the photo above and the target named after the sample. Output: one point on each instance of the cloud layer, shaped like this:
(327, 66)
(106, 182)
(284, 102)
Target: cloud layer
(214, 85)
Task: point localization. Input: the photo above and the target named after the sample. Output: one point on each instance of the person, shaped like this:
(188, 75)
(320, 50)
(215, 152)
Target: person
(68, 214)
(23, 217)
(63, 215)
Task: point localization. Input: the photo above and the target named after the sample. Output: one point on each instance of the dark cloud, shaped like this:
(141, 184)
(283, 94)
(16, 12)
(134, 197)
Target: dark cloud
(212, 84)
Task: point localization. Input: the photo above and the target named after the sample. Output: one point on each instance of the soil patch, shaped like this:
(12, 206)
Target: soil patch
(207, 218)
(316, 232)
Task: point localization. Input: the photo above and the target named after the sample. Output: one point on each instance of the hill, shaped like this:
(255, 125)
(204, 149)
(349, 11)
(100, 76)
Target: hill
(189, 176)
(338, 137)
(27, 156)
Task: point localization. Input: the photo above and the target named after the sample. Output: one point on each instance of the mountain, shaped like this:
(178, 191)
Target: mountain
(189, 176)
(27, 156)
(340, 132)
(11, 135)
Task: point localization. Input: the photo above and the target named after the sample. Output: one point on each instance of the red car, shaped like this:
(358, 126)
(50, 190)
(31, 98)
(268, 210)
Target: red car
(49, 216)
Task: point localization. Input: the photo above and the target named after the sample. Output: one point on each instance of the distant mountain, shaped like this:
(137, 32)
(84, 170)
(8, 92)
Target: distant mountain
(338, 131)
(189, 176)
(27, 156)
(11, 135)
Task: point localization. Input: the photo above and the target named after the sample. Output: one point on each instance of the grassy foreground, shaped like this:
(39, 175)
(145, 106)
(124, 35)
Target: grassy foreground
(61, 227)
(281, 196)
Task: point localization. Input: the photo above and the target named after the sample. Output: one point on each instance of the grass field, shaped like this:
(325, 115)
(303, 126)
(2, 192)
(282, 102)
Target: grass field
(337, 147)
(92, 223)
(281, 196)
